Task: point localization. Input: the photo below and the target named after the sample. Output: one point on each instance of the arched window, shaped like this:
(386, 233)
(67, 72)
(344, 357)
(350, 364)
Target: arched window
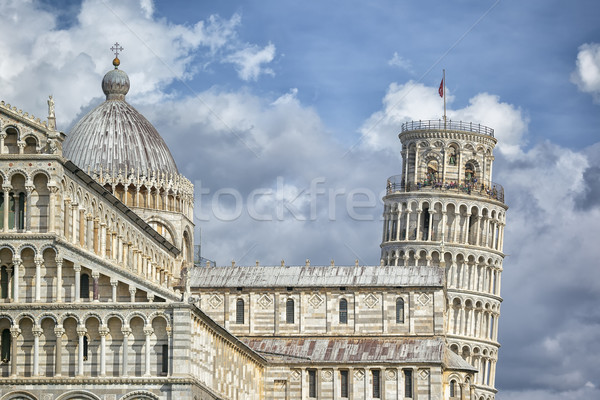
(399, 310)
(84, 288)
(165, 359)
(11, 211)
(470, 173)
(21, 216)
(343, 311)
(452, 388)
(289, 311)
(376, 383)
(6, 342)
(85, 348)
(2, 205)
(239, 311)
(4, 283)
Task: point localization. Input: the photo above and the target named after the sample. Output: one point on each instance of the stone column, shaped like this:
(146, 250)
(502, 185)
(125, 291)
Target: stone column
(444, 222)
(170, 350)
(82, 228)
(77, 269)
(59, 263)
(74, 214)
(430, 227)
(37, 332)
(52, 208)
(67, 208)
(96, 240)
(416, 164)
(148, 331)
(7, 189)
(96, 278)
(103, 331)
(478, 231)
(384, 238)
(28, 189)
(89, 232)
(114, 248)
(102, 240)
(114, 283)
(16, 271)
(81, 331)
(134, 260)
(15, 331)
(21, 146)
(119, 249)
(455, 226)
(126, 332)
(38, 278)
(418, 231)
(59, 332)
(132, 291)
(2, 137)
(150, 297)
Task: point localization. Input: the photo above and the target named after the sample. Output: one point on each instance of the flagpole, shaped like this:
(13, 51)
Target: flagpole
(444, 91)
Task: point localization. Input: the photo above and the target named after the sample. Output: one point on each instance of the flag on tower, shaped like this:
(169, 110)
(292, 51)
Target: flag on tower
(441, 89)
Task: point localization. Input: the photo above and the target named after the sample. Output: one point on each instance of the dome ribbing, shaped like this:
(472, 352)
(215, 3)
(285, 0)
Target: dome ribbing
(115, 136)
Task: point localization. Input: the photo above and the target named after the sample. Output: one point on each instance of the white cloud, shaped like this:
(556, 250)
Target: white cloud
(508, 122)
(400, 62)
(415, 101)
(587, 73)
(249, 61)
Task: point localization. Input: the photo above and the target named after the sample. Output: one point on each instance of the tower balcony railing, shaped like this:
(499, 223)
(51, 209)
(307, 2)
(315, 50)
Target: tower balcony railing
(450, 125)
(491, 190)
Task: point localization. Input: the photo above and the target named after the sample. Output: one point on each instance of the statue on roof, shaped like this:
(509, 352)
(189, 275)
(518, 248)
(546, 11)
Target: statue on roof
(51, 107)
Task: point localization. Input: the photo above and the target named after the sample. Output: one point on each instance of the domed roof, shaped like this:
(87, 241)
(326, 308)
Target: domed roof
(116, 136)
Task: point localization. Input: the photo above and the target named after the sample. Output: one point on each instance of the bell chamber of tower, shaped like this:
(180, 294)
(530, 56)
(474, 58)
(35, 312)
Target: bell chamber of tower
(445, 211)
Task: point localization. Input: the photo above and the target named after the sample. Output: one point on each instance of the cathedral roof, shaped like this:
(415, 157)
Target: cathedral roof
(315, 276)
(349, 350)
(115, 136)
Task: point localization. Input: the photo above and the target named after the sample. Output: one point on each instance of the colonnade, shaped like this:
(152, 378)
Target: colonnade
(149, 189)
(96, 235)
(415, 223)
(18, 367)
(475, 322)
(15, 272)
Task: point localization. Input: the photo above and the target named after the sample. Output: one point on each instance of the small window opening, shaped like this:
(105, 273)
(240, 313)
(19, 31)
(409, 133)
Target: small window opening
(239, 311)
(289, 311)
(343, 311)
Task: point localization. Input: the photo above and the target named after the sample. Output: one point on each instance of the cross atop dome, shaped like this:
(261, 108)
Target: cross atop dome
(116, 48)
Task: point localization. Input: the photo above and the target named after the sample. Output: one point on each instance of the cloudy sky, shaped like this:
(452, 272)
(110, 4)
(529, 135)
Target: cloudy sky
(285, 115)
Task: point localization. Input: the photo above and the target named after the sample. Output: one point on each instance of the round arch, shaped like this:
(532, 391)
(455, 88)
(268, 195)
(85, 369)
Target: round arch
(78, 395)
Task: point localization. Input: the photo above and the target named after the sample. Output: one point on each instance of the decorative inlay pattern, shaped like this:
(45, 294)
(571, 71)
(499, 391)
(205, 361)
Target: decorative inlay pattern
(359, 374)
(327, 375)
(371, 300)
(424, 374)
(215, 301)
(424, 299)
(265, 301)
(315, 300)
(295, 374)
(390, 374)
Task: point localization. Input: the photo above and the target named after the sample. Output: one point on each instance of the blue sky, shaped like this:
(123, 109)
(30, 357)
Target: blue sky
(285, 116)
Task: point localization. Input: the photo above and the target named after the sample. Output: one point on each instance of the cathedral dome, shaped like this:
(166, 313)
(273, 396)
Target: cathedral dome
(115, 136)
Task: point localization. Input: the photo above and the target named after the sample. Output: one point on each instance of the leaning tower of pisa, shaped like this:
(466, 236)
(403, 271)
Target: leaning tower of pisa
(444, 211)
